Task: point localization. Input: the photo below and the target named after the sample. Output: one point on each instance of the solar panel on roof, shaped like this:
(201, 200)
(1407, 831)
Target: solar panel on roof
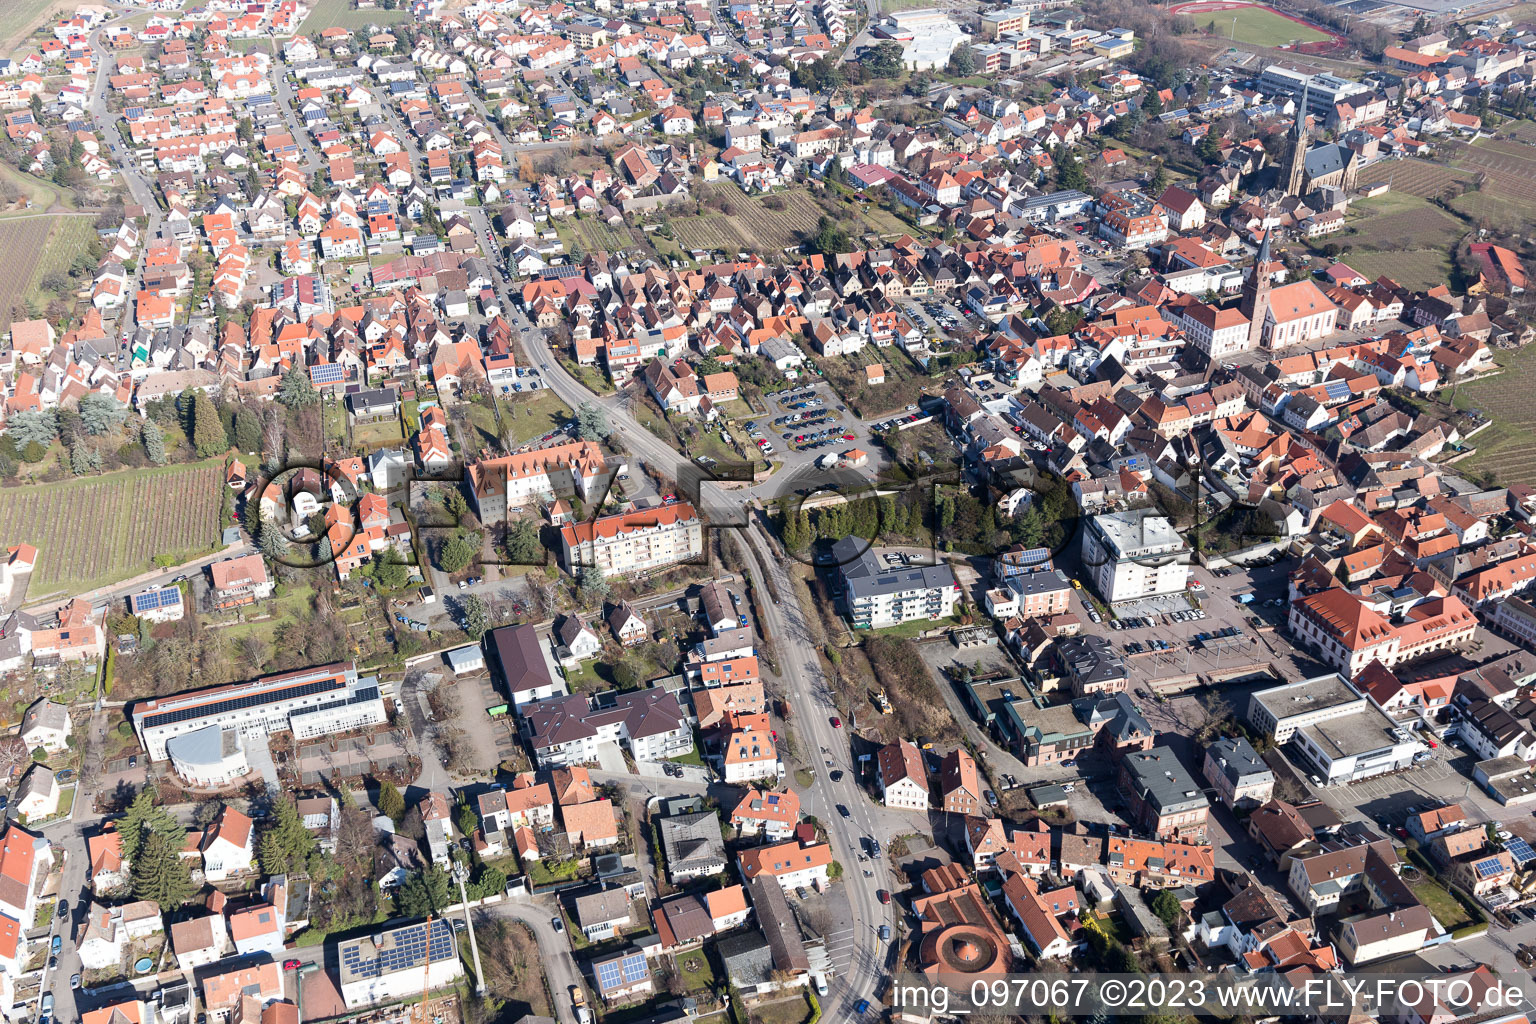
(1521, 851)
(327, 373)
(249, 700)
(166, 597)
(1488, 868)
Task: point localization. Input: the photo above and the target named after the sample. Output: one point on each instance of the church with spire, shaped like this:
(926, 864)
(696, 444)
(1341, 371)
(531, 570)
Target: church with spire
(1254, 303)
(1313, 167)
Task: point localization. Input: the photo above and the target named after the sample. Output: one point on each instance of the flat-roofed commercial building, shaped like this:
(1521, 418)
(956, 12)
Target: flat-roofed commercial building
(308, 702)
(1339, 733)
(1279, 711)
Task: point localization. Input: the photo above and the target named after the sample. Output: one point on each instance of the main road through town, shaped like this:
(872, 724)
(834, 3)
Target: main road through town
(806, 686)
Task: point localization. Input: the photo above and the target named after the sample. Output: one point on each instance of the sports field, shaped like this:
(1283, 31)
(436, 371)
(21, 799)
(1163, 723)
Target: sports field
(1251, 23)
(99, 530)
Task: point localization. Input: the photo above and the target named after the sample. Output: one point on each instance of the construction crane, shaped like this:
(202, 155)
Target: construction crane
(426, 974)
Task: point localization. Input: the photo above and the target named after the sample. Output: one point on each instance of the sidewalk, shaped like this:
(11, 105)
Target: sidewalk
(114, 589)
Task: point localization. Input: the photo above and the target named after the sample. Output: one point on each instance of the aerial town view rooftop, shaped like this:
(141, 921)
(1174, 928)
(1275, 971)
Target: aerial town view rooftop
(765, 511)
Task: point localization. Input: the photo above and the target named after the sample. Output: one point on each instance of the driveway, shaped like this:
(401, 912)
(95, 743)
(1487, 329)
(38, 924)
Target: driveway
(611, 759)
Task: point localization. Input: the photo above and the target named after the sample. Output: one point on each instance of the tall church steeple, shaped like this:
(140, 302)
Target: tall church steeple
(1255, 299)
(1298, 146)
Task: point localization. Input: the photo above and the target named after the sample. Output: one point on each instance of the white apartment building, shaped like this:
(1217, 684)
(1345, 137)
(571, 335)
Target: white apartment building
(1134, 554)
(1219, 333)
(876, 596)
(790, 864)
(903, 779)
(569, 729)
(634, 542)
(309, 702)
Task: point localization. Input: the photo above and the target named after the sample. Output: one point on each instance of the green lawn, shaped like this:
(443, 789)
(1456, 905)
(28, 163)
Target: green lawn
(693, 967)
(1442, 904)
(1259, 26)
(533, 414)
(544, 873)
(913, 628)
(795, 1010)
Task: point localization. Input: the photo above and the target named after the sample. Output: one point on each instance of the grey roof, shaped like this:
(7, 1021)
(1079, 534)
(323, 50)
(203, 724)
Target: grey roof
(693, 842)
(569, 717)
(864, 576)
(778, 924)
(1091, 660)
(206, 746)
(602, 907)
(746, 957)
(45, 713)
(1114, 712)
(1164, 783)
(1327, 158)
(1238, 761)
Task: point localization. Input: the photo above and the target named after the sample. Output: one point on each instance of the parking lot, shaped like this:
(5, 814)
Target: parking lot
(810, 418)
(529, 380)
(939, 317)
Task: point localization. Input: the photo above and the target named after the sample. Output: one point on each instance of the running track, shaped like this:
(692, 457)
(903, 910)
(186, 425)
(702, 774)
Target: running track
(1208, 6)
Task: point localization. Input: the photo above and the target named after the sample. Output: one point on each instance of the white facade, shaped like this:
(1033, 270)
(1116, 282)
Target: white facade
(1134, 554)
(310, 702)
(211, 757)
(367, 970)
(634, 542)
(906, 794)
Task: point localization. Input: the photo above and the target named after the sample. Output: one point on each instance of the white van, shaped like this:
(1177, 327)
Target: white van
(820, 981)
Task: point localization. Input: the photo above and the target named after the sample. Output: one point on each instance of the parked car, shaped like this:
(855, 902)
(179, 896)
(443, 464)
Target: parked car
(885, 897)
(292, 964)
(559, 923)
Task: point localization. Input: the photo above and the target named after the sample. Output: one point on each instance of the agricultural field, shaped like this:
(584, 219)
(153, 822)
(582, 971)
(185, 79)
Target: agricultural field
(1401, 235)
(1508, 447)
(341, 14)
(754, 225)
(1506, 174)
(43, 194)
(18, 18)
(24, 239)
(68, 237)
(591, 234)
(1411, 268)
(93, 532)
(1416, 177)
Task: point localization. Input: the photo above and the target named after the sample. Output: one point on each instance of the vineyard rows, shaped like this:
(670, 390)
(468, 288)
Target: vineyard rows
(92, 532)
